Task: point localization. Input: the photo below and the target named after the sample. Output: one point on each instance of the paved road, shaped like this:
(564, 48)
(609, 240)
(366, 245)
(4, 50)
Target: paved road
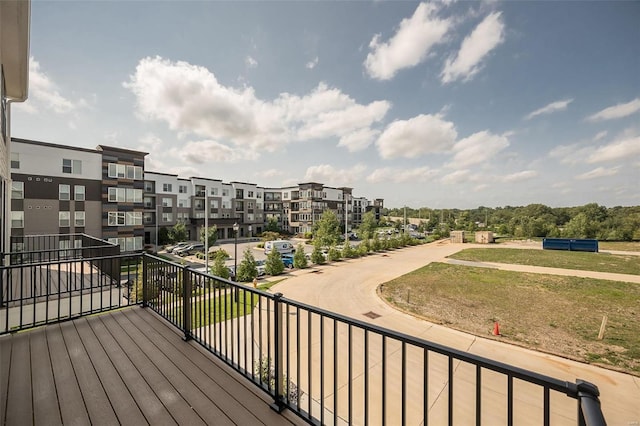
(349, 288)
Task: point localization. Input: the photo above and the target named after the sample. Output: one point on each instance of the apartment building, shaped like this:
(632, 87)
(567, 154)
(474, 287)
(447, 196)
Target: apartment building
(15, 19)
(105, 192)
(59, 189)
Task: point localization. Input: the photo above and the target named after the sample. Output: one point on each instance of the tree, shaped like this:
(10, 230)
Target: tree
(163, 236)
(178, 232)
(272, 225)
(316, 256)
(299, 259)
(368, 226)
(274, 264)
(219, 269)
(327, 229)
(247, 269)
(213, 235)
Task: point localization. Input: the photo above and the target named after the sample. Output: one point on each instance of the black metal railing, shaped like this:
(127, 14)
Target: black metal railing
(53, 247)
(33, 294)
(325, 367)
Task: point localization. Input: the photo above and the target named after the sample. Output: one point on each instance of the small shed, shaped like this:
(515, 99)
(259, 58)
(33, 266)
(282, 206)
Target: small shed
(457, 236)
(484, 237)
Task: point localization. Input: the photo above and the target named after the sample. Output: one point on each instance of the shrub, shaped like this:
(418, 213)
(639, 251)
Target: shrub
(247, 269)
(274, 264)
(333, 254)
(299, 259)
(316, 256)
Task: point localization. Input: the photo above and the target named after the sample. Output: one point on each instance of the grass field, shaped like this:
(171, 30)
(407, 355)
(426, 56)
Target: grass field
(556, 314)
(622, 246)
(601, 262)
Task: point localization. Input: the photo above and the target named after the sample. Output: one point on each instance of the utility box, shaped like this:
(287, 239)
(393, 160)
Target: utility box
(484, 237)
(457, 236)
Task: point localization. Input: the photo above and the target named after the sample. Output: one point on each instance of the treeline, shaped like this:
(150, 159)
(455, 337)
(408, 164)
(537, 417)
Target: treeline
(535, 220)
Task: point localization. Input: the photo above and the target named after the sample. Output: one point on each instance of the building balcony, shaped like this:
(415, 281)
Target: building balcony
(172, 344)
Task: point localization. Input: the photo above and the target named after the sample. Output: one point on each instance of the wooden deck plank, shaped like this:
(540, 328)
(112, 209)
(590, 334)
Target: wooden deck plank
(5, 365)
(95, 398)
(245, 393)
(203, 395)
(124, 405)
(178, 372)
(72, 408)
(170, 397)
(152, 408)
(19, 403)
(45, 400)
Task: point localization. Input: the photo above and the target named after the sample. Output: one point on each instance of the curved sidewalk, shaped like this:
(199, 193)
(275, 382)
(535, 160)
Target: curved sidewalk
(349, 288)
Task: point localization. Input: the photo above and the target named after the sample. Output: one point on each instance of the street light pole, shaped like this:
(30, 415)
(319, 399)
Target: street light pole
(206, 234)
(235, 256)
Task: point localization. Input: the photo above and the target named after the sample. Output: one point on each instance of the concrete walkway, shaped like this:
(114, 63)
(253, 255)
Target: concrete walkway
(349, 288)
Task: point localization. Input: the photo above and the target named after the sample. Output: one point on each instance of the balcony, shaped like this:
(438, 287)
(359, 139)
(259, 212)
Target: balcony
(193, 348)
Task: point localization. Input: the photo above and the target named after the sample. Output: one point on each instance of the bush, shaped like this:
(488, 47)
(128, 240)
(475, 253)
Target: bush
(333, 254)
(316, 256)
(247, 269)
(299, 259)
(270, 236)
(219, 269)
(274, 264)
(363, 250)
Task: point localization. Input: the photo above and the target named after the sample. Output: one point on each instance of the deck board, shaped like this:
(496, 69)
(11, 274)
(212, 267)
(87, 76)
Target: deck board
(126, 367)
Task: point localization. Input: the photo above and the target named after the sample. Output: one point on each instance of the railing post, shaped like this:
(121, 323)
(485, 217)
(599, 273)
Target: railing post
(278, 399)
(145, 282)
(589, 410)
(186, 303)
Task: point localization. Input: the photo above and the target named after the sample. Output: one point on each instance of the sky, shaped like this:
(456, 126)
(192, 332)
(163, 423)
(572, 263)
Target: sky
(449, 104)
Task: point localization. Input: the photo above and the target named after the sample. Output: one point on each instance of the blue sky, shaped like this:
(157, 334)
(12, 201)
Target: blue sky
(440, 104)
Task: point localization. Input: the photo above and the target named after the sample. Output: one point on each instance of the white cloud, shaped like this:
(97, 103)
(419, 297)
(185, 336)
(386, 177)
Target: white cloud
(571, 154)
(250, 62)
(190, 100)
(520, 176)
(459, 176)
(208, 151)
(550, 108)
(597, 173)
(617, 111)
(475, 47)
(477, 148)
(312, 64)
(359, 139)
(601, 135)
(618, 150)
(328, 174)
(44, 93)
(388, 174)
(410, 45)
(271, 173)
(423, 134)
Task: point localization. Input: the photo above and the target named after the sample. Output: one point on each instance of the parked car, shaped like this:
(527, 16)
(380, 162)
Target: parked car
(287, 259)
(260, 266)
(190, 249)
(178, 246)
(282, 246)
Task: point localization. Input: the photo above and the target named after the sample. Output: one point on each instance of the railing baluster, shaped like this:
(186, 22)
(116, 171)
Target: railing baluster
(322, 369)
(404, 383)
(546, 406)
(278, 404)
(478, 395)
(384, 380)
(366, 377)
(510, 400)
(450, 396)
(425, 385)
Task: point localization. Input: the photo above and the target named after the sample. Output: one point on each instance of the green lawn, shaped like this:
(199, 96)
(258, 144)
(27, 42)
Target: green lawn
(621, 245)
(601, 262)
(223, 307)
(553, 313)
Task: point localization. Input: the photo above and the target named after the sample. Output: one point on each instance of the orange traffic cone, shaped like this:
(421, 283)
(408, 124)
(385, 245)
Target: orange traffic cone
(496, 329)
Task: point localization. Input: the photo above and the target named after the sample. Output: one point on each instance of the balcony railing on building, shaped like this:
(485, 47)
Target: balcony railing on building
(325, 367)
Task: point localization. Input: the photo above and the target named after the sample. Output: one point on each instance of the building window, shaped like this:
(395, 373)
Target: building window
(167, 202)
(166, 187)
(64, 192)
(134, 172)
(71, 166)
(116, 219)
(249, 194)
(182, 203)
(15, 160)
(133, 218)
(167, 217)
(17, 219)
(78, 219)
(17, 190)
(78, 192)
(182, 189)
(64, 219)
(122, 195)
(214, 192)
(225, 192)
(259, 195)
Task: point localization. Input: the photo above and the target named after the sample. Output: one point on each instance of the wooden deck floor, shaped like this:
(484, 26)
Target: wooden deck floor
(123, 367)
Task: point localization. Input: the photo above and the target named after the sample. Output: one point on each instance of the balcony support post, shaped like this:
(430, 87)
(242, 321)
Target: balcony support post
(145, 282)
(186, 303)
(589, 411)
(278, 398)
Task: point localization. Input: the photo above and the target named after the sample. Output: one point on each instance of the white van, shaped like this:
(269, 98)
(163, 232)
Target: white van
(281, 246)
